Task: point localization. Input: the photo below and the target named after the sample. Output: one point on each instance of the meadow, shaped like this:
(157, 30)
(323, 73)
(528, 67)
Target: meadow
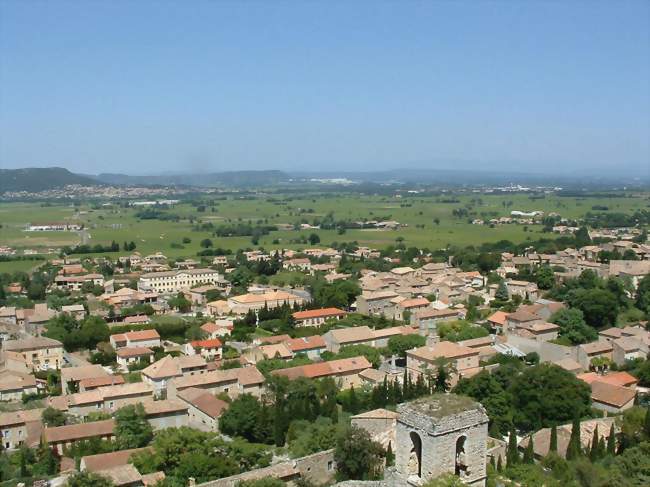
(430, 221)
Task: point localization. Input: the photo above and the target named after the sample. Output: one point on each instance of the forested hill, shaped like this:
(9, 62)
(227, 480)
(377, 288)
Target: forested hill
(39, 179)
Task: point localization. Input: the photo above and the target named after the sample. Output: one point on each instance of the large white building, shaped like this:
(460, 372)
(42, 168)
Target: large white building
(175, 281)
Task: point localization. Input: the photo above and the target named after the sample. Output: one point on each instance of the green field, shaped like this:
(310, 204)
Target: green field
(120, 224)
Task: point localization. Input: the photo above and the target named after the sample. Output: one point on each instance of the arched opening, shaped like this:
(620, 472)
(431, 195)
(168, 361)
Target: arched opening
(461, 465)
(415, 456)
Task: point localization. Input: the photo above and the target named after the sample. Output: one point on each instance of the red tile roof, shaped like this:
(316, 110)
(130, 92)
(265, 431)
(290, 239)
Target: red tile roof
(318, 313)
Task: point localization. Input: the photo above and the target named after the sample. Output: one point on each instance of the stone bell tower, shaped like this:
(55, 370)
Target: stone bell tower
(442, 433)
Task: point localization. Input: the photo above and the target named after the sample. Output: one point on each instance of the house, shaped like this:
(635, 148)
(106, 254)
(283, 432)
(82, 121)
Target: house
(129, 356)
(312, 346)
(611, 398)
(166, 413)
(358, 335)
(92, 383)
(198, 295)
(254, 301)
(635, 270)
(20, 428)
(38, 353)
(465, 360)
(246, 380)
(77, 311)
(161, 372)
(426, 320)
(498, 321)
(60, 437)
(524, 289)
(141, 338)
(301, 264)
(408, 307)
(316, 317)
(375, 302)
(594, 354)
(541, 332)
(76, 283)
(272, 351)
(102, 461)
(381, 424)
(72, 376)
(622, 379)
(210, 349)
(127, 298)
(382, 335)
(170, 282)
(13, 385)
(218, 328)
(628, 348)
(204, 409)
(118, 396)
(344, 371)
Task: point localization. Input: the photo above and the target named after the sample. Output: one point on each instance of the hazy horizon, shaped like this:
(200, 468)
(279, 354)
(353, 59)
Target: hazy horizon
(152, 87)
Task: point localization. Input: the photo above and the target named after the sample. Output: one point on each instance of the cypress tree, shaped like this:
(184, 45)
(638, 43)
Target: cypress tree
(494, 431)
(499, 464)
(574, 449)
(353, 404)
(595, 446)
(512, 453)
(529, 452)
(553, 445)
(611, 441)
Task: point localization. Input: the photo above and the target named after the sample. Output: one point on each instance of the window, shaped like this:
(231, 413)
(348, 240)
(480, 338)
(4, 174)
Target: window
(330, 466)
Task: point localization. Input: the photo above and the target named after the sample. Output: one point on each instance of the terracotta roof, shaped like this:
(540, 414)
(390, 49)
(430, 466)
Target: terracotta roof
(134, 388)
(203, 401)
(522, 316)
(377, 414)
(94, 382)
(101, 461)
(596, 347)
(274, 339)
(414, 303)
(394, 331)
(210, 343)
(324, 369)
(275, 350)
(352, 335)
(318, 313)
(20, 417)
(163, 406)
(34, 343)
(436, 313)
(81, 431)
(83, 372)
(297, 345)
(142, 335)
(628, 344)
(622, 379)
(569, 364)
(122, 475)
(264, 297)
(498, 317)
(244, 376)
(444, 349)
(134, 352)
(610, 394)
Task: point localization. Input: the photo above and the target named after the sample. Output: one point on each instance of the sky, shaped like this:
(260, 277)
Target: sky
(144, 87)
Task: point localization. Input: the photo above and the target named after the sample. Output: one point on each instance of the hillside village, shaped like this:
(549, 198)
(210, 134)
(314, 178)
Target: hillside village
(111, 356)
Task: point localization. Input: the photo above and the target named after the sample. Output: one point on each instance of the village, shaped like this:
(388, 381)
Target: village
(362, 330)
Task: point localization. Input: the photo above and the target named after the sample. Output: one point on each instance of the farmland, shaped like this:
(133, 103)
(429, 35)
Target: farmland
(430, 221)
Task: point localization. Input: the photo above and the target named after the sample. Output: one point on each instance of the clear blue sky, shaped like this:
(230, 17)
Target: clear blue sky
(138, 86)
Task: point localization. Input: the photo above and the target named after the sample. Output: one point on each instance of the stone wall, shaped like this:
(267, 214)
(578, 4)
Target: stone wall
(318, 468)
(548, 352)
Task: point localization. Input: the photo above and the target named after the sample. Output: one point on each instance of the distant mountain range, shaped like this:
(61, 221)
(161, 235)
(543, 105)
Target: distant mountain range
(35, 179)
(41, 179)
(229, 179)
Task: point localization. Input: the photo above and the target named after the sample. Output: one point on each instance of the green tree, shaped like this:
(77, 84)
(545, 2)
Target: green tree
(314, 239)
(553, 441)
(574, 448)
(398, 345)
(445, 480)
(600, 307)
(529, 452)
(88, 479)
(512, 452)
(357, 456)
(132, 430)
(573, 326)
(53, 417)
(241, 418)
(546, 394)
(611, 441)
(502, 292)
(544, 277)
